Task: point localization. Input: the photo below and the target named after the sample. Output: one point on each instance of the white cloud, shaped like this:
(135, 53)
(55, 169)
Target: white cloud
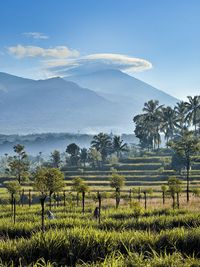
(21, 51)
(36, 35)
(96, 62)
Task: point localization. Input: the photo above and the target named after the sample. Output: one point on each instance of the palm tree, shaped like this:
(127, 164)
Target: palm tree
(180, 110)
(152, 117)
(193, 111)
(168, 122)
(119, 145)
(103, 143)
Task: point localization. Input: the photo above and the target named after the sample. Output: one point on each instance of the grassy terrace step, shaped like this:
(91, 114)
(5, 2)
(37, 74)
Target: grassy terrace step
(133, 178)
(146, 159)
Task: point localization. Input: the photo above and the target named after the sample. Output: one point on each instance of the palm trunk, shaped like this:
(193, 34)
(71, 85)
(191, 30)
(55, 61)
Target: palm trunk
(14, 210)
(99, 199)
(173, 202)
(145, 200)
(177, 199)
(163, 197)
(42, 200)
(83, 202)
(29, 198)
(188, 174)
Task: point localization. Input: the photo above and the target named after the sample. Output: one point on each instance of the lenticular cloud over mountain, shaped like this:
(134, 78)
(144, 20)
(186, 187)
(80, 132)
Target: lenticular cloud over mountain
(98, 62)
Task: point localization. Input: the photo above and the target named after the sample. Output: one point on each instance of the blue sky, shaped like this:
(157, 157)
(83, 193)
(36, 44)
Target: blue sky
(153, 40)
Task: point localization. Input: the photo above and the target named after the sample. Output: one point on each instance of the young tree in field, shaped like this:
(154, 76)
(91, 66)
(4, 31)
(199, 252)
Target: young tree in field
(186, 147)
(56, 158)
(73, 149)
(83, 189)
(118, 145)
(19, 164)
(79, 186)
(103, 143)
(76, 183)
(13, 188)
(84, 156)
(174, 185)
(49, 181)
(117, 181)
(147, 192)
(164, 191)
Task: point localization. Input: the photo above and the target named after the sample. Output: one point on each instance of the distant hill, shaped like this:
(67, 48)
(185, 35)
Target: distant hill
(127, 92)
(52, 105)
(67, 105)
(122, 88)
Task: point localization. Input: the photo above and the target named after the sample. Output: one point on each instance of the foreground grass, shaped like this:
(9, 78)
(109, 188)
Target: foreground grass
(125, 237)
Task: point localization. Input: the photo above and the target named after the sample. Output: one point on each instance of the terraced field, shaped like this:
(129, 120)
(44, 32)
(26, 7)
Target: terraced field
(140, 172)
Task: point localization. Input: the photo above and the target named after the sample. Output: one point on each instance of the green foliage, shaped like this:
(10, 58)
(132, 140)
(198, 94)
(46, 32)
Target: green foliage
(174, 185)
(48, 180)
(74, 151)
(56, 159)
(19, 164)
(79, 185)
(117, 181)
(13, 188)
(103, 143)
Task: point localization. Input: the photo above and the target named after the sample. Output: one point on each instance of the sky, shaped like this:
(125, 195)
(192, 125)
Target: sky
(157, 41)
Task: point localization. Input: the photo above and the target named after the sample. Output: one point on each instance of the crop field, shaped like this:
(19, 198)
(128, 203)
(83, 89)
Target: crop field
(128, 236)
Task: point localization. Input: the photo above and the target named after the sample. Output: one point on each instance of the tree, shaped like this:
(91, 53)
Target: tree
(13, 188)
(118, 145)
(186, 147)
(153, 114)
(94, 157)
(164, 190)
(174, 185)
(56, 158)
(143, 132)
(80, 186)
(180, 111)
(148, 124)
(168, 125)
(19, 164)
(117, 182)
(76, 183)
(84, 156)
(193, 111)
(177, 162)
(48, 181)
(146, 192)
(103, 143)
(73, 149)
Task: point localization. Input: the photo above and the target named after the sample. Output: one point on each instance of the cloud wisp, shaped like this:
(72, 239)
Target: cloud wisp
(97, 62)
(21, 51)
(36, 35)
(63, 61)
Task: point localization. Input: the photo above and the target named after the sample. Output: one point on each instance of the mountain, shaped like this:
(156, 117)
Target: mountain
(127, 92)
(66, 105)
(51, 105)
(116, 85)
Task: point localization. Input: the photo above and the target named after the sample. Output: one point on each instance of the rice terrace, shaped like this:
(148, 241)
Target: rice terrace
(99, 133)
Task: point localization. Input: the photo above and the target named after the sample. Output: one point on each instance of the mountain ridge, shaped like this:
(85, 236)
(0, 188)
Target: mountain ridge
(59, 105)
